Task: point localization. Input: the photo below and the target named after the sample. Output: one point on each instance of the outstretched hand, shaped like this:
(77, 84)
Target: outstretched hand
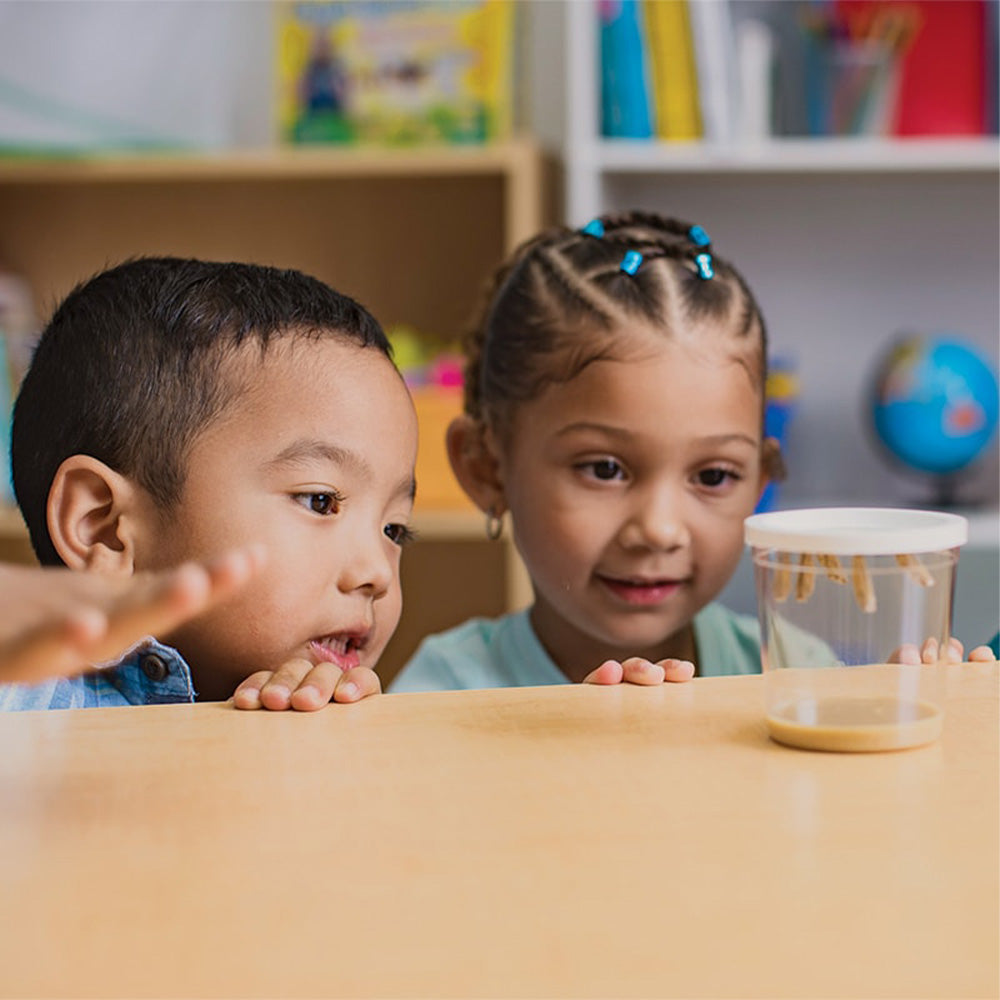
(58, 622)
(305, 687)
(636, 670)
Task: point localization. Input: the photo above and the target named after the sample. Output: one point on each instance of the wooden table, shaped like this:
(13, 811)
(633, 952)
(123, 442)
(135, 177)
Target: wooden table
(536, 842)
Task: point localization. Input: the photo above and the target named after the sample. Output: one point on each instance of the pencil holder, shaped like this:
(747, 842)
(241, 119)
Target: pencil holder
(853, 602)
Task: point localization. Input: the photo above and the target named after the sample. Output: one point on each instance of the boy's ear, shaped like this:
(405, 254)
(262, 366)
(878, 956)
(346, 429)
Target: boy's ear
(473, 458)
(91, 515)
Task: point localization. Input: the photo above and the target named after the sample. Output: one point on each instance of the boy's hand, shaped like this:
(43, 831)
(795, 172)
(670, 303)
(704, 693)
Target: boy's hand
(928, 653)
(305, 687)
(57, 622)
(636, 670)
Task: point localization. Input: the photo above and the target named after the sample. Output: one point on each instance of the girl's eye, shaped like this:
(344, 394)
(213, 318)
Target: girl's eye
(605, 469)
(323, 504)
(716, 477)
(399, 534)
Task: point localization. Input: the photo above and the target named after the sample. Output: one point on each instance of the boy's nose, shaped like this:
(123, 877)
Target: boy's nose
(657, 522)
(366, 565)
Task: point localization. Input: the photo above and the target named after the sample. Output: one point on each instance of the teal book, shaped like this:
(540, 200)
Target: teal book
(625, 92)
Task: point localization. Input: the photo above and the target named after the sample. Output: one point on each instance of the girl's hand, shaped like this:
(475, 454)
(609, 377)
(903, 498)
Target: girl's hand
(636, 670)
(58, 622)
(928, 653)
(300, 685)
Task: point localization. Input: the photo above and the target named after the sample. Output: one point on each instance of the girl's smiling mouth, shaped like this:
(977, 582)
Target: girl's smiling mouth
(641, 591)
(342, 649)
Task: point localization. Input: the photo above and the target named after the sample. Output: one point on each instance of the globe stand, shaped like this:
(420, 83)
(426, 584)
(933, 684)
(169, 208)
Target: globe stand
(945, 493)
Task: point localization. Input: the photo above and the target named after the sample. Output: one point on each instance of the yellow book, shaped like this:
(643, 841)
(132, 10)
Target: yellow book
(674, 72)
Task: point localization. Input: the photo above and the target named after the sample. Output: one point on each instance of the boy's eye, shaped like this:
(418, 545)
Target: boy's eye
(320, 503)
(399, 534)
(604, 469)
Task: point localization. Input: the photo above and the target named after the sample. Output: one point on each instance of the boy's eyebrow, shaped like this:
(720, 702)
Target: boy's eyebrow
(307, 450)
(311, 450)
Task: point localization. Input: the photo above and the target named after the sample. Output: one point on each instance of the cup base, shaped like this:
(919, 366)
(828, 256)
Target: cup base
(855, 725)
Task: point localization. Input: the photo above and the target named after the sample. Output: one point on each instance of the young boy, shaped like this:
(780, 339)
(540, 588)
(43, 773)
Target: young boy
(176, 409)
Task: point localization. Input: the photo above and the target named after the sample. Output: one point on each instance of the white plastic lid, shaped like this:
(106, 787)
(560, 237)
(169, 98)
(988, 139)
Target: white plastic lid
(856, 530)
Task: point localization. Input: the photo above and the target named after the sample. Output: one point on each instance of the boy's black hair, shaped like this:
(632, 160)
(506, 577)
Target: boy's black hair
(128, 368)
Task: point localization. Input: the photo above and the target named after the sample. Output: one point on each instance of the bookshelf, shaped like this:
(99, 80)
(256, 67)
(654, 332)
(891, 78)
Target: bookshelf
(845, 240)
(413, 234)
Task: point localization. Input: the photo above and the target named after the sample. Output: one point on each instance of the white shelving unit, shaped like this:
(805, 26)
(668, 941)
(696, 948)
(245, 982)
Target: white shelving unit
(846, 243)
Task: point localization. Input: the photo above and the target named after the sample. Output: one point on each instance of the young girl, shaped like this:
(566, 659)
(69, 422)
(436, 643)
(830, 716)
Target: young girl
(614, 409)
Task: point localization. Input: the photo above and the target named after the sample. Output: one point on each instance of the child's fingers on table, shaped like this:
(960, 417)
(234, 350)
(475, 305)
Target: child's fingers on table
(276, 694)
(956, 651)
(315, 690)
(677, 671)
(637, 670)
(982, 654)
(609, 672)
(247, 695)
(357, 683)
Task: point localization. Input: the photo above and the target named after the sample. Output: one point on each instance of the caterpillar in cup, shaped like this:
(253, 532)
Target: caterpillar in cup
(861, 580)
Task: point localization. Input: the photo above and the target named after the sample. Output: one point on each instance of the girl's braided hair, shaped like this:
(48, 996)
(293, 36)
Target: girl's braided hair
(555, 305)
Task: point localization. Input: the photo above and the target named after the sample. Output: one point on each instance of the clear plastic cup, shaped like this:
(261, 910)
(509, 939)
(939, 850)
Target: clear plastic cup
(853, 602)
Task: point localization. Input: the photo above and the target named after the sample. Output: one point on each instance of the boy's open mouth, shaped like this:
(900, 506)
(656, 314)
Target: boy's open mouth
(343, 649)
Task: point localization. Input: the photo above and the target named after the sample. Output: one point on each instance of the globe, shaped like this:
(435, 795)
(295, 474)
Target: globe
(935, 402)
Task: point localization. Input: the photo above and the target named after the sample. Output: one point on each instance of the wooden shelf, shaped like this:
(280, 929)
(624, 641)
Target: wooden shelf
(276, 163)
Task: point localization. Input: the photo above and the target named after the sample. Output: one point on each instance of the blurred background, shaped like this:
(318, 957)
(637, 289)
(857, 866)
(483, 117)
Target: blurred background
(843, 154)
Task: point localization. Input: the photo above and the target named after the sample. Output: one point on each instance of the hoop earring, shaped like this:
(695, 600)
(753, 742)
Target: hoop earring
(494, 525)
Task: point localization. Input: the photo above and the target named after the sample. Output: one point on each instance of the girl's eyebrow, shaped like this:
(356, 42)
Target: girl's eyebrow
(712, 440)
(586, 425)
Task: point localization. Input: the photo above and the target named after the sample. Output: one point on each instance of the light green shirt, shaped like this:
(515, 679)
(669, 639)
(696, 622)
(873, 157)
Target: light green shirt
(505, 652)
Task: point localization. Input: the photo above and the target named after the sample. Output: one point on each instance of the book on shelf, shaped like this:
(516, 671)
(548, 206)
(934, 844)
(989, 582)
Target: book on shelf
(674, 74)
(682, 70)
(395, 73)
(625, 71)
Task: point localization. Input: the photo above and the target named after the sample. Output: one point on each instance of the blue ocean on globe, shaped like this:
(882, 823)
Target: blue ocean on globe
(935, 403)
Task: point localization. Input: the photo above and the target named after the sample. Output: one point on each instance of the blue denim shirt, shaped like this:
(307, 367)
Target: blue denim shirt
(149, 673)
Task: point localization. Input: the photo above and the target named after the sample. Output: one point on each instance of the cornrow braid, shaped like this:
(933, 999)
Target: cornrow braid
(561, 299)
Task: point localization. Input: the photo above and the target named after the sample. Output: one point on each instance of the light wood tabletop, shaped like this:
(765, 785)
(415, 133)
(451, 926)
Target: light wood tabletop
(567, 841)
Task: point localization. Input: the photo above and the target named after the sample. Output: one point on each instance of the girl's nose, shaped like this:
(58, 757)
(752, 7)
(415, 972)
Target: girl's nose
(656, 522)
(366, 565)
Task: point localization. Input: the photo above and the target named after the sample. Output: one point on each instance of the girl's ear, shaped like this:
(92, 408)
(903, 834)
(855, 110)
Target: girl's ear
(772, 464)
(92, 516)
(473, 458)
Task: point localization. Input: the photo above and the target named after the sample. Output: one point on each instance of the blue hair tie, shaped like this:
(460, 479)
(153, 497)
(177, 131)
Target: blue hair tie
(630, 262)
(704, 262)
(698, 236)
(594, 228)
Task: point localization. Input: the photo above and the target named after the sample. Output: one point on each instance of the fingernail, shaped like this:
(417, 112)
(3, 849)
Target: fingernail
(350, 690)
(247, 699)
(279, 692)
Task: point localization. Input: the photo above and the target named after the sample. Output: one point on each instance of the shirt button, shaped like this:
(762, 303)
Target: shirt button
(154, 667)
